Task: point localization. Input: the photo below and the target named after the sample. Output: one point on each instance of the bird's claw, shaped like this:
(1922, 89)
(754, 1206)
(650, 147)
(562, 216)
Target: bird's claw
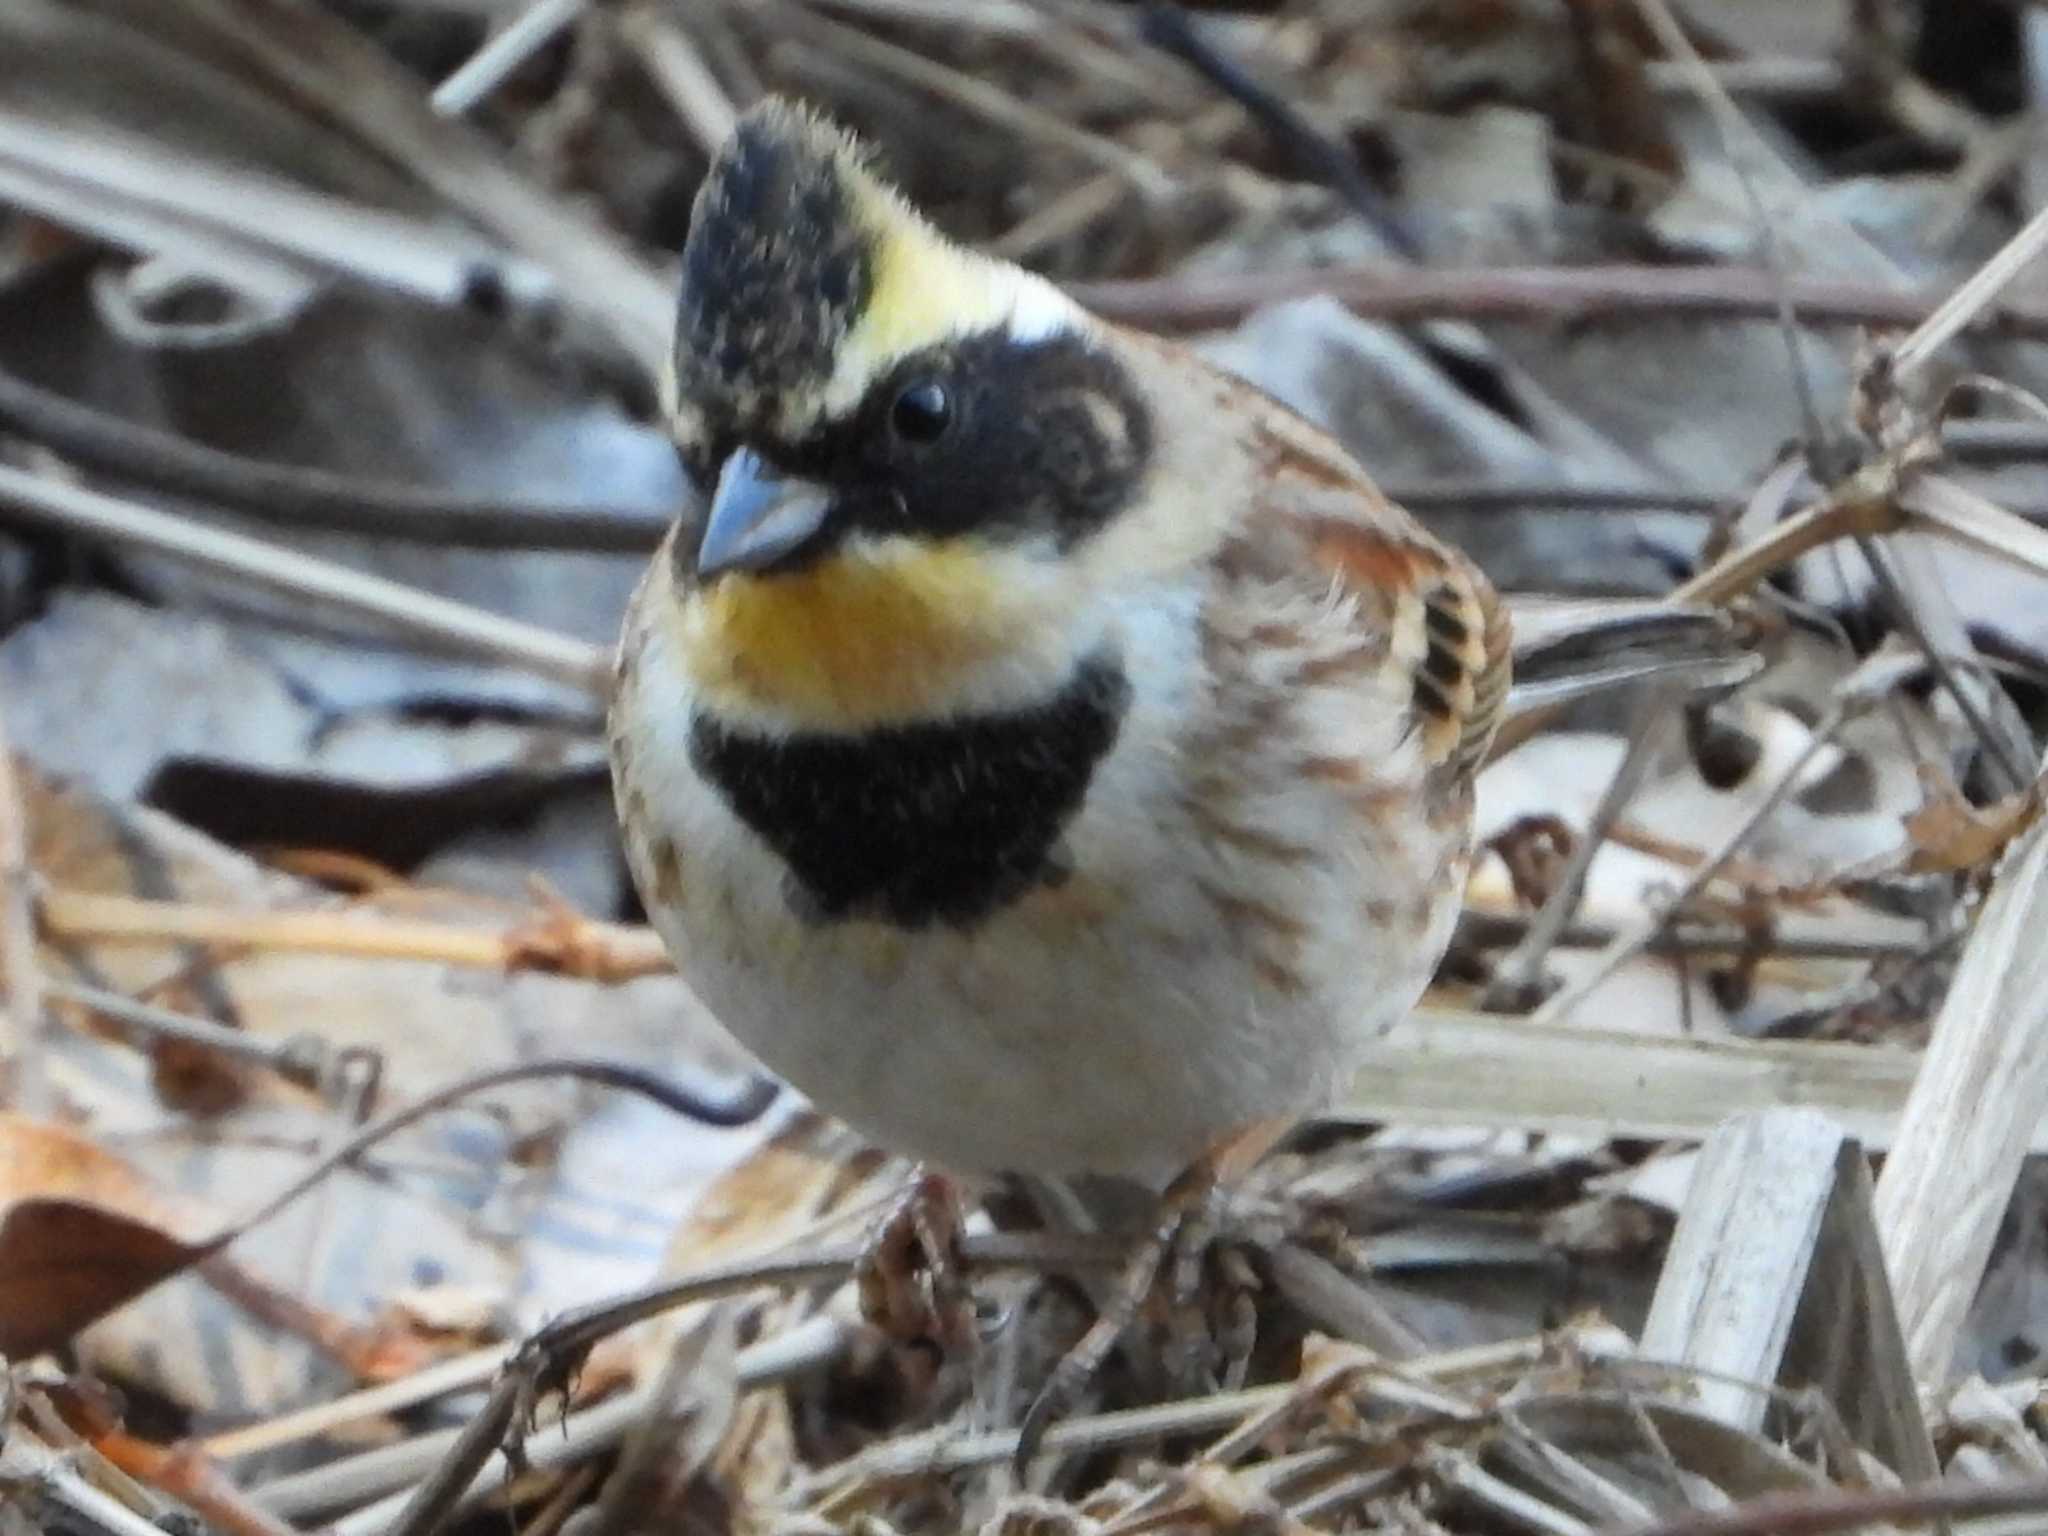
(910, 1278)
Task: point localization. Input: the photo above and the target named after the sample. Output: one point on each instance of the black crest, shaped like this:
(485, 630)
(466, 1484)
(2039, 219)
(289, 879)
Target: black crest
(774, 269)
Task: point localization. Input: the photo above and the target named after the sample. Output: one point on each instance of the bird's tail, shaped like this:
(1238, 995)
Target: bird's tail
(1567, 648)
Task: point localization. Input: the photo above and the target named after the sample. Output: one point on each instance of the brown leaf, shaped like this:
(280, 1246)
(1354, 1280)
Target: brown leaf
(1949, 835)
(81, 1232)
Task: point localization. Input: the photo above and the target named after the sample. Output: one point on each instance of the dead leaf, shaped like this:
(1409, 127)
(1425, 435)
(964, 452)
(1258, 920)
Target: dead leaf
(1951, 836)
(81, 1232)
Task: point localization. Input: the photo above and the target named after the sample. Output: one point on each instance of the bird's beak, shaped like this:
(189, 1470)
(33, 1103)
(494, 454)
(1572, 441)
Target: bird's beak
(758, 515)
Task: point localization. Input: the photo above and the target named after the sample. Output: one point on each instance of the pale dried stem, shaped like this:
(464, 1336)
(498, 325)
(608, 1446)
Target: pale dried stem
(1765, 79)
(1976, 294)
(1921, 605)
(1000, 18)
(450, 1376)
(1944, 506)
(1862, 504)
(24, 1057)
(387, 1475)
(594, 951)
(271, 240)
(442, 622)
(27, 1462)
(1575, 1080)
(379, 1472)
(678, 69)
(503, 53)
(948, 1450)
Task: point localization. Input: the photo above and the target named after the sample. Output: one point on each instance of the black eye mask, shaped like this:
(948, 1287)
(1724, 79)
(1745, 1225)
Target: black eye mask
(1045, 438)
(990, 436)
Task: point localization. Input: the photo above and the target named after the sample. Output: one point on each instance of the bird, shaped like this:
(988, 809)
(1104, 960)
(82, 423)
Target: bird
(1040, 747)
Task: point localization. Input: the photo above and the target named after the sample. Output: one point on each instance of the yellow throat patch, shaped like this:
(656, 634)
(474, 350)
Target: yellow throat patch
(866, 637)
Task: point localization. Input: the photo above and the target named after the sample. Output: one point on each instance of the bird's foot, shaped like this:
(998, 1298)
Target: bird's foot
(911, 1282)
(1210, 1327)
(1178, 1248)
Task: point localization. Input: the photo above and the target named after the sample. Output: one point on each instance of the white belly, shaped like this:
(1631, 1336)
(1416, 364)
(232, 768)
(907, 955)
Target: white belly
(1086, 1048)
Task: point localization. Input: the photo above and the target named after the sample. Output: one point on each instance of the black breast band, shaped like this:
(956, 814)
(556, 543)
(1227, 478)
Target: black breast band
(944, 822)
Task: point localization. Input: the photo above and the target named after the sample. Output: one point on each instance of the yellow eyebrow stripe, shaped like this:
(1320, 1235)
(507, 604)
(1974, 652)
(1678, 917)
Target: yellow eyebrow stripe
(924, 291)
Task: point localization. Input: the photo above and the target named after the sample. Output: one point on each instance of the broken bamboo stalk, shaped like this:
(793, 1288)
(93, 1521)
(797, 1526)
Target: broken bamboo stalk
(1976, 1104)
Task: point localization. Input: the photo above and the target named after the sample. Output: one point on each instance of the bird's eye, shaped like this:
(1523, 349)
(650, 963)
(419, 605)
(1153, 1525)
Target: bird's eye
(922, 412)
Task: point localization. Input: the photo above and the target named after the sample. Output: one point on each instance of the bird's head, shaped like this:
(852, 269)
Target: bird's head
(901, 445)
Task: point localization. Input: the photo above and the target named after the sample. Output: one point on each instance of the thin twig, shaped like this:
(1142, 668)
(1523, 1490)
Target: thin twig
(1516, 978)
(456, 626)
(1062, 218)
(300, 497)
(1904, 613)
(303, 1058)
(743, 1107)
(1169, 27)
(460, 1468)
(1546, 294)
(1633, 939)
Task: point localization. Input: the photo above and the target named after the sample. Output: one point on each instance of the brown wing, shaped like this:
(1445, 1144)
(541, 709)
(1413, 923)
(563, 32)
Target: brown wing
(1446, 626)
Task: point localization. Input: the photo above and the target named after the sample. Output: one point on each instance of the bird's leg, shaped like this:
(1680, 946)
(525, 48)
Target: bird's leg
(910, 1279)
(1182, 1231)
(1070, 1377)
